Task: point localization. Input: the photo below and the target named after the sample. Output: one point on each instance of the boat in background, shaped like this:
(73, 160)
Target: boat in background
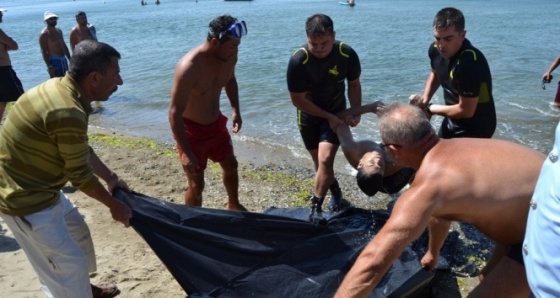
(348, 2)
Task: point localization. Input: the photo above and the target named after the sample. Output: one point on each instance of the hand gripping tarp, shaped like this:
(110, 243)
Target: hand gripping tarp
(278, 253)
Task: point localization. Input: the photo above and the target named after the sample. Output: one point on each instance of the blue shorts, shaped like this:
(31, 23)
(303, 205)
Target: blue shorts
(60, 65)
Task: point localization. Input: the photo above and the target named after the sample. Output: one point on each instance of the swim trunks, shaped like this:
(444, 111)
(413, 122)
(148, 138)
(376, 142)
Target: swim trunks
(10, 85)
(210, 141)
(60, 65)
(314, 130)
(395, 182)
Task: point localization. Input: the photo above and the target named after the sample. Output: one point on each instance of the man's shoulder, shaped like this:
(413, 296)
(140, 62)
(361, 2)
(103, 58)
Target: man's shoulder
(301, 56)
(470, 52)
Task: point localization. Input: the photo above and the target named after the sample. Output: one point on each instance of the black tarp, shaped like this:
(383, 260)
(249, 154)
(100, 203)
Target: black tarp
(278, 253)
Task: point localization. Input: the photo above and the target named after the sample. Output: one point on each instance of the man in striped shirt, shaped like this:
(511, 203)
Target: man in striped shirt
(43, 145)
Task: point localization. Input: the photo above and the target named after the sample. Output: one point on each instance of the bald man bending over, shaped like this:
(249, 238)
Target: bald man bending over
(485, 182)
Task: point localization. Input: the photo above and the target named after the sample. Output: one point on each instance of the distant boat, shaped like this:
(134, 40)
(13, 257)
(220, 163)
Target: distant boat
(238, 0)
(348, 3)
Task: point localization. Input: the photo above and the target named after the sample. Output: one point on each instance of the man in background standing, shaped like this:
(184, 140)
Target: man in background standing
(82, 31)
(10, 85)
(197, 124)
(316, 80)
(53, 47)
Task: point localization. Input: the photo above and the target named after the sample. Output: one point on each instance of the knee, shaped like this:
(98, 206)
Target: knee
(196, 186)
(230, 166)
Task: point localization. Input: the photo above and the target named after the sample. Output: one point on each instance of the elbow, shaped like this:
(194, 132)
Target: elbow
(466, 114)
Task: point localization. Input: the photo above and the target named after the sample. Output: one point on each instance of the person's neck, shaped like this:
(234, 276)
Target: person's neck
(425, 145)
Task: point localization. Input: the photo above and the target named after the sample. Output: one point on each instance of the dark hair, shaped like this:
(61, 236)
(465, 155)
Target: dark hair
(370, 183)
(319, 25)
(220, 25)
(90, 56)
(448, 17)
(395, 182)
(80, 13)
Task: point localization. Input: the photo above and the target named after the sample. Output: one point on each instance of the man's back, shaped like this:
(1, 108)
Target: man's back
(485, 182)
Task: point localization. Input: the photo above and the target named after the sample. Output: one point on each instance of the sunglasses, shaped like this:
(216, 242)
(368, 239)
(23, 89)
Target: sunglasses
(237, 30)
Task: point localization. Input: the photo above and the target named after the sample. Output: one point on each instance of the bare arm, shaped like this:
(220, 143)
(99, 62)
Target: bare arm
(408, 220)
(66, 51)
(359, 110)
(8, 43)
(465, 108)
(73, 39)
(432, 84)
(303, 103)
(119, 210)
(44, 44)
(103, 172)
(232, 93)
(552, 67)
(355, 98)
(438, 230)
(183, 82)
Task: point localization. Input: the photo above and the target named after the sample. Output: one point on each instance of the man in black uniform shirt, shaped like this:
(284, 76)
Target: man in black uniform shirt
(464, 74)
(316, 80)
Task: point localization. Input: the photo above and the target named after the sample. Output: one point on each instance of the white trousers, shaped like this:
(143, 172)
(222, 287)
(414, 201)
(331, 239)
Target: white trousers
(58, 244)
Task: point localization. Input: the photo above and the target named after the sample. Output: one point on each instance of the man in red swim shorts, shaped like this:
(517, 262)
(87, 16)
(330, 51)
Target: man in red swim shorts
(210, 141)
(197, 124)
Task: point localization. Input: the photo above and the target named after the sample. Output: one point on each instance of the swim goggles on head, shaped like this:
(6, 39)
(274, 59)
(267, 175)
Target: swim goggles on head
(237, 30)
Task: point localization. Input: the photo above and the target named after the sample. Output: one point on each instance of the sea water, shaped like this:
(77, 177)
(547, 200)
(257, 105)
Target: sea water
(391, 38)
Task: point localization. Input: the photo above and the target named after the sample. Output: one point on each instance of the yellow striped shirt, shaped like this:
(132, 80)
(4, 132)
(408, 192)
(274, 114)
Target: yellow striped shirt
(43, 145)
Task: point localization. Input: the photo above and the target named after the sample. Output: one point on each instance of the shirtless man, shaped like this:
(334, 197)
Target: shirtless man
(197, 124)
(82, 31)
(377, 170)
(486, 182)
(53, 47)
(10, 85)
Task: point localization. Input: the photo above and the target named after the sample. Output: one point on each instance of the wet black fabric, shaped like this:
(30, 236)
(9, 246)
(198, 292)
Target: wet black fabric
(278, 253)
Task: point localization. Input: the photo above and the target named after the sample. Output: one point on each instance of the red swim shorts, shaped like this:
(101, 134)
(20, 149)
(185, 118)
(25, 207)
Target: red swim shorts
(210, 141)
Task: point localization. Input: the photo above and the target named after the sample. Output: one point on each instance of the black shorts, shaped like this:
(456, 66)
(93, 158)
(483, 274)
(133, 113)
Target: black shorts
(448, 130)
(314, 130)
(10, 85)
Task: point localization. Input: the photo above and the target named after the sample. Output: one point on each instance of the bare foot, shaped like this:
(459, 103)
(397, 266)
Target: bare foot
(235, 207)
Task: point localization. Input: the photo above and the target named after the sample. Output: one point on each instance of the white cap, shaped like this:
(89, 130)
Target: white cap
(3, 10)
(48, 15)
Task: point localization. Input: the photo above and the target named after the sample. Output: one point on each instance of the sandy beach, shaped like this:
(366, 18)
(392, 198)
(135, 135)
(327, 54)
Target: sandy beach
(153, 169)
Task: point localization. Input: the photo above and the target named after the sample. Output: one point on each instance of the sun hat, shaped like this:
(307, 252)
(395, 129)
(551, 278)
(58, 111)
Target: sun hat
(48, 15)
